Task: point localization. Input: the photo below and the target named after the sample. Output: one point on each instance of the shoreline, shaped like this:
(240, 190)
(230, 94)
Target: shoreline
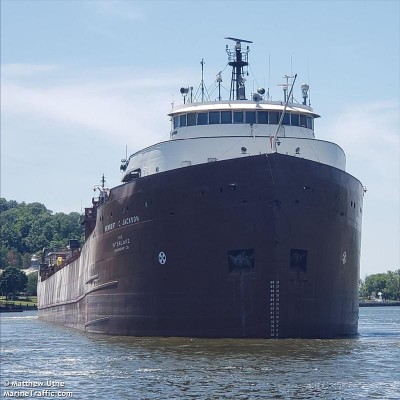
(12, 307)
(372, 303)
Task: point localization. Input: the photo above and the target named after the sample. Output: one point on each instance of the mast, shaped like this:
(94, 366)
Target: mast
(202, 79)
(103, 191)
(287, 98)
(237, 60)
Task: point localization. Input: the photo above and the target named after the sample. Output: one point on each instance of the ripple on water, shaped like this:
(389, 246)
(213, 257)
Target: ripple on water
(93, 366)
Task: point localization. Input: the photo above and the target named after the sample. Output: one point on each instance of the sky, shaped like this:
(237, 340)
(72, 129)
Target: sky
(85, 81)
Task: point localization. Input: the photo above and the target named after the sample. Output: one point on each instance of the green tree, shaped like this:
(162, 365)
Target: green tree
(14, 259)
(386, 283)
(362, 291)
(26, 260)
(392, 290)
(12, 280)
(6, 205)
(31, 287)
(375, 283)
(3, 257)
(26, 229)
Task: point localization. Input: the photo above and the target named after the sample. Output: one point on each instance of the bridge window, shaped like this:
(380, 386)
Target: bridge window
(309, 122)
(238, 117)
(182, 120)
(191, 119)
(202, 118)
(295, 119)
(226, 117)
(286, 119)
(214, 117)
(250, 117)
(273, 117)
(262, 117)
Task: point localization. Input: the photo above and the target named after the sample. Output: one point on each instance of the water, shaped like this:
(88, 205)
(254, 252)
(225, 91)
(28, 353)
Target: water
(87, 366)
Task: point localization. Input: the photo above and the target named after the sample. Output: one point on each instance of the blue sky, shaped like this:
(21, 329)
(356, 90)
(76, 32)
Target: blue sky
(80, 80)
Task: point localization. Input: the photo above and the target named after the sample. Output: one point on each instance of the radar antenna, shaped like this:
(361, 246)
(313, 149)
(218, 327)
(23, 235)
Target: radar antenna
(238, 59)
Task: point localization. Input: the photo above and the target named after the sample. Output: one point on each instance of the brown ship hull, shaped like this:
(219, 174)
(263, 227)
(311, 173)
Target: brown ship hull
(256, 247)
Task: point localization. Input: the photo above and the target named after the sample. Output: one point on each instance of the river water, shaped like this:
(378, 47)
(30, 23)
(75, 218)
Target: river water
(42, 360)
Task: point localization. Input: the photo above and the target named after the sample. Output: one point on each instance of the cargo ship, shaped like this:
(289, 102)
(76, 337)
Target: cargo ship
(242, 225)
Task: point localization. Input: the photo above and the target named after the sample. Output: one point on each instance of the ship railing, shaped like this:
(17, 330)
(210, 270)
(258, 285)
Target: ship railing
(232, 56)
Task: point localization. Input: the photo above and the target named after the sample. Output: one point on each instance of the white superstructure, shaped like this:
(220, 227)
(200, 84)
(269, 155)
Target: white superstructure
(205, 131)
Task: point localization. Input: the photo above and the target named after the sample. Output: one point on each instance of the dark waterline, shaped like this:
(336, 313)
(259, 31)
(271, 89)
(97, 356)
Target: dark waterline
(103, 367)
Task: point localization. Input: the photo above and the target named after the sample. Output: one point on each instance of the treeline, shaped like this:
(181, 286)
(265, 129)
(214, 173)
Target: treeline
(388, 284)
(25, 229)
